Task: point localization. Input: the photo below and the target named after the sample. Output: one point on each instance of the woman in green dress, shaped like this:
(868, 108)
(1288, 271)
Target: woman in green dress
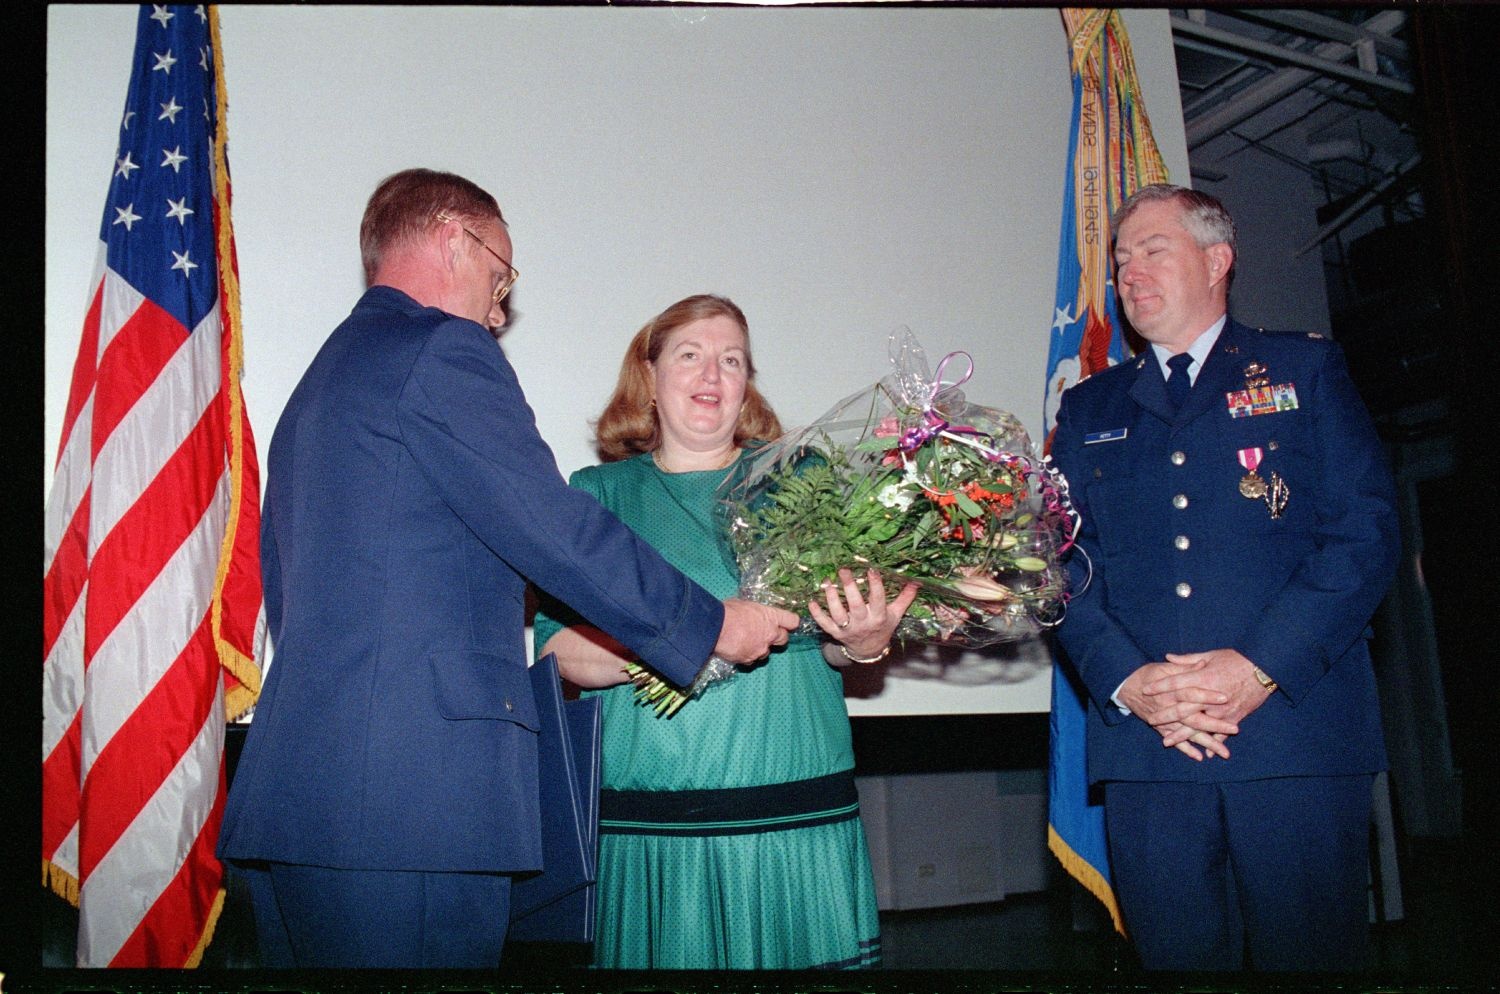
(729, 833)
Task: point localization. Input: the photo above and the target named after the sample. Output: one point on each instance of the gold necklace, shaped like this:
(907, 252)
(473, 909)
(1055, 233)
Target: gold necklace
(734, 454)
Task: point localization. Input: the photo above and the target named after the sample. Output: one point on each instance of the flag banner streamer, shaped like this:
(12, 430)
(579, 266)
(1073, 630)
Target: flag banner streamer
(153, 621)
(1111, 154)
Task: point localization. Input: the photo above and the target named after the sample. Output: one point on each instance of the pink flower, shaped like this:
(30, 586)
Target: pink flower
(982, 589)
(950, 618)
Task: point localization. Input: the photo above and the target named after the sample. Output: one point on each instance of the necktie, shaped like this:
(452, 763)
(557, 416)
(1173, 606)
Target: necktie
(1178, 383)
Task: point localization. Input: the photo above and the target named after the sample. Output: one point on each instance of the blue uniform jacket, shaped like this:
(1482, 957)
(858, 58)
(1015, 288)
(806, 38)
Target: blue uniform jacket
(408, 497)
(1182, 562)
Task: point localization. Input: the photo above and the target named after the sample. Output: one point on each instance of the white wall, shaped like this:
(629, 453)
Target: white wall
(1275, 208)
(838, 172)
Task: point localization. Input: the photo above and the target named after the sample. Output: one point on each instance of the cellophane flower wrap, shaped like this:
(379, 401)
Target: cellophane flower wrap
(910, 478)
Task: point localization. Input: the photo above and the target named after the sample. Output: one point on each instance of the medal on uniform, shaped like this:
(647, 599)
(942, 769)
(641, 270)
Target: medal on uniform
(1259, 395)
(1252, 486)
(1276, 496)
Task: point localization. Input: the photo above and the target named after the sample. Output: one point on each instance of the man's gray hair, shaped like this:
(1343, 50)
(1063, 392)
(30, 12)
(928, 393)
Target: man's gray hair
(1202, 214)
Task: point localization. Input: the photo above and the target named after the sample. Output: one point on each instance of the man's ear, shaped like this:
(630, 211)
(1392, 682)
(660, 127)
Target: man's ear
(1220, 261)
(444, 241)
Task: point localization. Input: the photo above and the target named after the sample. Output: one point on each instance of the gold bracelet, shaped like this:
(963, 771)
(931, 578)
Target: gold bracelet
(873, 659)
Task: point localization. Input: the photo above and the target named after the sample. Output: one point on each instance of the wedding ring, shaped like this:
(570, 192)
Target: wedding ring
(844, 623)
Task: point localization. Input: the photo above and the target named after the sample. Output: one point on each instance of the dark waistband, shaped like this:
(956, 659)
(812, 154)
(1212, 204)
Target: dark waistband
(730, 811)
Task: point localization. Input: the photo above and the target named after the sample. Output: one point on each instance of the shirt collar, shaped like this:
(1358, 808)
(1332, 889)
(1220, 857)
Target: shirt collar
(1199, 350)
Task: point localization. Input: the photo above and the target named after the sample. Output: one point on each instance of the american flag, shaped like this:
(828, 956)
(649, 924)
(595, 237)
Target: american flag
(153, 622)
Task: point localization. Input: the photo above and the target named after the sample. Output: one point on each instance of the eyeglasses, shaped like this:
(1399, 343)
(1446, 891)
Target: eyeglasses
(511, 273)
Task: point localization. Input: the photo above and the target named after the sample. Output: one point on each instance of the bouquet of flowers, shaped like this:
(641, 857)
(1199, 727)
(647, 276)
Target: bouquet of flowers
(908, 477)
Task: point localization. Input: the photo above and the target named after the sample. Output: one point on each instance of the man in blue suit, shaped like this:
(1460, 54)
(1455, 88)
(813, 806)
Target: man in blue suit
(388, 787)
(1239, 530)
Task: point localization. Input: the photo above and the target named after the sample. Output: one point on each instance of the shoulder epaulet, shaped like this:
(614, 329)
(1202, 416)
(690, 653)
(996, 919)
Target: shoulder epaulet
(1285, 333)
(1282, 335)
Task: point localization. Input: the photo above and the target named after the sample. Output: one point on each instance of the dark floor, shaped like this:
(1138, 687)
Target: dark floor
(1450, 933)
(1450, 930)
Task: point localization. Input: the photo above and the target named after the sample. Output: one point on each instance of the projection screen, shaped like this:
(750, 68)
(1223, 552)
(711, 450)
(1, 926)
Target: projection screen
(839, 173)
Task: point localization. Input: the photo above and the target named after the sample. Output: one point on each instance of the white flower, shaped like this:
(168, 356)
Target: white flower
(895, 496)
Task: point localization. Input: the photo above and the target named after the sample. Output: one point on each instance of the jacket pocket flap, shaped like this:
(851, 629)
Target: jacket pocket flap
(482, 685)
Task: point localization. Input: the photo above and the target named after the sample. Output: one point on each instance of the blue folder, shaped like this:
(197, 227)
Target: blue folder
(557, 904)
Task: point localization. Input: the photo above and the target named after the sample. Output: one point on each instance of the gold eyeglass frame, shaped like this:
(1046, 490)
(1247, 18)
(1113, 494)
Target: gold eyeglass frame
(512, 273)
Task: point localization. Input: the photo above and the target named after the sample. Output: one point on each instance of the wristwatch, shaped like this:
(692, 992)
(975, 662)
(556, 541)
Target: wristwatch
(1264, 679)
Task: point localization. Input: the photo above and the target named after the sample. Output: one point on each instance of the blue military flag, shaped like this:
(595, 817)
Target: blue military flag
(1110, 155)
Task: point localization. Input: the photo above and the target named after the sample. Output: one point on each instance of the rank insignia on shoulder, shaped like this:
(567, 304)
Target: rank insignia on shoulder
(1113, 435)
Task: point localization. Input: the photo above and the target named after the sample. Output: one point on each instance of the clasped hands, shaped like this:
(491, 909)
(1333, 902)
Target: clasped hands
(1195, 700)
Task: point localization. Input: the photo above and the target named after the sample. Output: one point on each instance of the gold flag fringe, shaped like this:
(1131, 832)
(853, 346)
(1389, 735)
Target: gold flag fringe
(243, 668)
(237, 701)
(63, 883)
(208, 932)
(1084, 872)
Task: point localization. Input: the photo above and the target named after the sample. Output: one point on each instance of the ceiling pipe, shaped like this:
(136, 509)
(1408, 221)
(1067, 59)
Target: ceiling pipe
(1282, 54)
(1260, 95)
(1339, 148)
(1355, 150)
(1246, 104)
(1306, 22)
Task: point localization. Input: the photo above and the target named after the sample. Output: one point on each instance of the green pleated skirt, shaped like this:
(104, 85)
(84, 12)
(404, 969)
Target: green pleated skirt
(787, 898)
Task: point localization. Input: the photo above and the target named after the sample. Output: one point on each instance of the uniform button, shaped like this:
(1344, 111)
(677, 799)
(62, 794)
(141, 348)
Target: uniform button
(1179, 457)
(1098, 473)
(508, 705)
(1273, 445)
(1180, 501)
(1181, 541)
(1184, 590)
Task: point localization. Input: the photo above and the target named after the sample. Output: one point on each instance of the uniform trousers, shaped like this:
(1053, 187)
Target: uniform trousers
(316, 917)
(1271, 874)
